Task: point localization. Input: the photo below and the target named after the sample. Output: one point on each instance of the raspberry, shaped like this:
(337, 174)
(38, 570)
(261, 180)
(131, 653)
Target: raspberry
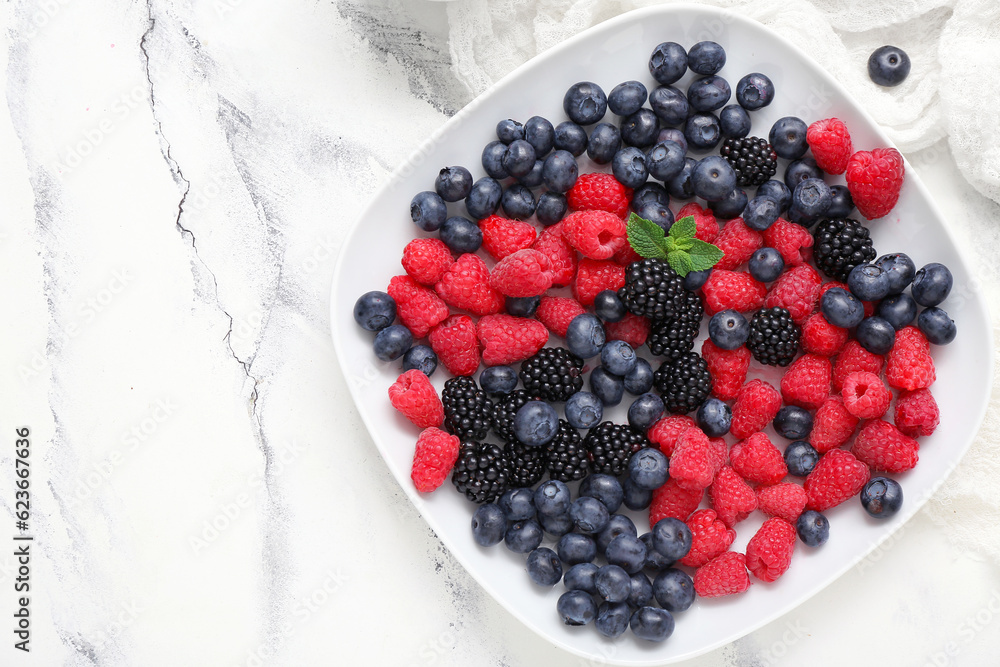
(719, 452)
(413, 394)
(665, 432)
(909, 364)
(507, 339)
(556, 312)
(736, 290)
(626, 255)
(797, 291)
(501, 236)
(784, 500)
(522, 273)
(822, 338)
(671, 500)
(594, 234)
(633, 329)
(723, 575)
(882, 447)
(594, 276)
(874, 180)
(865, 396)
(456, 344)
(916, 413)
(833, 425)
(793, 241)
(599, 192)
(758, 461)
(769, 551)
(756, 405)
(466, 285)
(831, 144)
(418, 307)
(425, 260)
(705, 223)
(732, 498)
(837, 477)
(854, 357)
(727, 367)
(806, 383)
(433, 458)
(738, 242)
(562, 258)
(694, 461)
(709, 538)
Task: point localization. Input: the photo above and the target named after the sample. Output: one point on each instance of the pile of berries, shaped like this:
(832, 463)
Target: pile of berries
(788, 278)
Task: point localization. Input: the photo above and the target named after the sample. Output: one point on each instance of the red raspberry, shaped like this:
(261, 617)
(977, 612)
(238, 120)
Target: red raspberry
(433, 458)
(909, 364)
(865, 396)
(728, 368)
(838, 476)
(796, 290)
(793, 241)
(874, 180)
(719, 451)
(418, 307)
(594, 234)
(665, 432)
(556, 312)
(758, 461)
(723, 575)
(694, 461)
(831, 144)
(732, 498)
(704, 220)
(522, 273)
(917, 413)
(455, 343)
(756, 405)
(806, 383)
(594, 276)
(466, 285)
(671, 500)
(501, 236)
(769, 551)
(784, 500)
(562, 257)
(413, 394)
(626, 255)
(822, 338)
(738, 242)
(881, 446)
(869, 306)
(425, 260)
(709, 538)
(633, 329)
(599, 192)
(833, 425)
(854, 357)
(735, 290)
(507, 339)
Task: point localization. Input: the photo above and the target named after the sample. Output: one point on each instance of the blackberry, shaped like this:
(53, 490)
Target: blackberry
(526, 465)
(683, 382)
(481, 471)
(566, 459)
(553, 374)
(610, 446)
(841, 244)
(672, 337)
(467, 409)
(753, 159)
(774, 338)
(651, 289)
(504, 411)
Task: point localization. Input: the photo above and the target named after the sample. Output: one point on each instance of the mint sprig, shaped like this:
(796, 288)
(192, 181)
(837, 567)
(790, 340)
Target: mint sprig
(679, 247)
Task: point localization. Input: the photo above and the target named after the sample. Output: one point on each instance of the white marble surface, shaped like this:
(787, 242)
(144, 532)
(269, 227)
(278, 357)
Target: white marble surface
(176, 178)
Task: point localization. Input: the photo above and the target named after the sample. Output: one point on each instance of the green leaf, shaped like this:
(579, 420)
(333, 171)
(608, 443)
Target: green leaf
(646, 237)
(680, 262)
(682, 251)
(682, 244)
(685, 228)
(703, 255)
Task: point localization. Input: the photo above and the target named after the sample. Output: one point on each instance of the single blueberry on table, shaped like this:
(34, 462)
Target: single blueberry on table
(557, 525)
(575, 548)
(766, 264)
(580, 577)
(584, 410)
(536, 423)
(888, 66)
(618, 357)
(714, 417)
(453, 183)
(627, 552)
(654, 559)
(640, 379)
(544, 567)
(706, 58)
(841, 308)
(875, 335)
(709, 93)
(931, 284)
(868, 282)
(518, 202)
(793, 422)
(713, 178)
(634, 496)
(813, 528)
(428, 211)
(585, 103)
(754, 91)
(523, 536)
(882, 497)
(640, 129)
(509, 130)
(645, 411)
(642, 588)
(672, 538)
(702, 131)
(540, 134)
(798, 171)
(461, 235)
(680, 185)
(422, 358)
(670, 105)
(664, 161)
(811, 197)
(651, 193)
(570, 137)
(728, 329)
(489, 524)
(899, 310)
(731, 206)
(776, 190)
(900, 269)
(734, 122)
(618, 524)
(492, 160)
(841, 202)
(937, 326)
(609, 307)
(629, 167)
(626, 98)
(522, 306)
(668, 62)
(559, 171)
(652, 624)
(612, 618)
(585, 336)
(648, 467)
(552, 498)
(576, 607)
(589, 515)
(673, 589)
(374, 310)
(551, 208)
(519, 158)
(606, 386)
(392, 342)
(801, 458)
(656, 213)
(484, 198)
(604, 142)
(518, 504)
(533, 178)
(613, 583)
(788, 137)
(605, 488)
(694, 280)
(673, 134)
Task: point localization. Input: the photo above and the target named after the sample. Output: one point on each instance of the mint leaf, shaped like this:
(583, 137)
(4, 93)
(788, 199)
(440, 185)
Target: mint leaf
(646, 238)
(684, 244)
(682, 251)
(703, 255)
(680, 262)
(685, 228)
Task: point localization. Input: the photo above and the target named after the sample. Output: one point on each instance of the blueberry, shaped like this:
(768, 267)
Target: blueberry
(484, 198)
(670, 105)
(544, 567)
(428, 211)
(714, 417)
(668, 62)
(609, 307)
(584, 410)
(801, 458)
(788, 137)
(518, 202)
(706, 58)
(581, 577)
(552, 498)
(713, 178)
(612, 618)
(841, 308)
(728, 329)
(793, 422)
(652, 624)
(937, 326)
(551, 208)
(656, 213)
(523, 536)
(734, 122)
(898, 310)
(766, 264)
(841, 202)
(673, 589)
(664, 161)
(627, 552)
(731, 206)
(636, 497)
(626, 98)
(709, 93)
(754, 91)
(648, 466)
(522, 306)
(813, 528)
(680, 185)
(492, 160)
(577, 548)
(888, 66)
(606, 386)
(560, 170)
(570, 137)
(533, 178)
(640, 129)
(618, 357)
(576, 608)
(640, 379)
(374, 310)
(629, 167)
(509, 130)
(453, 183)
(589, 515)
(518, 504)
(931, 284)
(642, 588)
(519, 158)
(798, 171)
(868, 282)
(423, 359)
(489, 524)
(900, 268)
(811, 198)
(875, 335)
(605, 488)
(557, 525)
(585, 103)
(798, 217)
(882, 497)
(536, 423)
(392, 342)
(694, 280)
(645, 411)
(585, 336)
(604, 142)
(777, 191)
(461, 235)
(672, 134)
(651, 193)
(613, 583)
(702, 131)
(654, 559)
(540, 134)
(618, 524)
(672, 538)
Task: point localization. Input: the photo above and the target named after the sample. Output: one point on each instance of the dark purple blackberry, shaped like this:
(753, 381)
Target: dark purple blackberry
(752, 158)
(651, 289)
(672, 337)
(774, 337)
(527, 464)
(553, 374)
(841, 244)
(566, 459)
(610, 446)
(505, 409)
(468, 411)
(684, 382)
(481, 472)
